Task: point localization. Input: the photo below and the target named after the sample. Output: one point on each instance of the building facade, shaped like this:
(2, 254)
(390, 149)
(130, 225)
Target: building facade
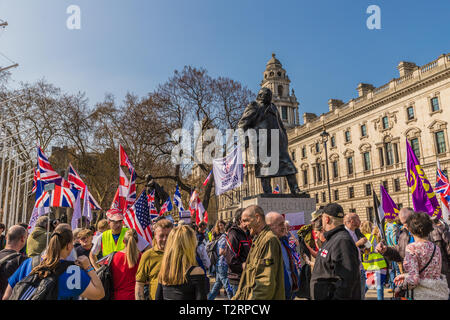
(367, 141)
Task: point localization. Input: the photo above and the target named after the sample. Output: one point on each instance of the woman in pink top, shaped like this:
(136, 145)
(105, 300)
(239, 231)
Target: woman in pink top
(422, 262)
(124, 267)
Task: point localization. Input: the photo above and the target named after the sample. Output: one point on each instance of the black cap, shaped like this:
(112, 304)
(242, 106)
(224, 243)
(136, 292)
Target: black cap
(334, 210)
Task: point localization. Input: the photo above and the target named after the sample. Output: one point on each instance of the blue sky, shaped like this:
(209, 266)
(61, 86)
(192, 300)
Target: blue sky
(135, 45)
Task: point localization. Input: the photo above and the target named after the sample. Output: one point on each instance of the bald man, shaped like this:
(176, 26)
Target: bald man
(263, 275)
(277, 224)
(10, 257)
(397, 252)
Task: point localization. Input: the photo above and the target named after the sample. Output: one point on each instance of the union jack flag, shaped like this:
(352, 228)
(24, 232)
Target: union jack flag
(119, 201)
(131, 192)
(124, 161)
(138, 217)
(166, 207)
(442, 186)
(35, 179)
(151, 204)
(62, 196)
(77, 183)
(207, 179)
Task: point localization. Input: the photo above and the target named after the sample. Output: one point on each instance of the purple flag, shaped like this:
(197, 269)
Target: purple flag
(76, 212)
(422, 192)
(87, 207)
(389, 207)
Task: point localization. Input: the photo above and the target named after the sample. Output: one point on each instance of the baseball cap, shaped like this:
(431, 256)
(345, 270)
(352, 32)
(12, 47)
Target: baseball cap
(114, 215)
(334, 210)
(316, 214)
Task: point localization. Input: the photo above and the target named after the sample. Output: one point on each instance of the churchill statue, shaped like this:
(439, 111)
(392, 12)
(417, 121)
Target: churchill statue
(263, 114)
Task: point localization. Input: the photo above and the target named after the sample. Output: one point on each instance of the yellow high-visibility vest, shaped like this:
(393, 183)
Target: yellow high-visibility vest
(108, 243)
(373, 260)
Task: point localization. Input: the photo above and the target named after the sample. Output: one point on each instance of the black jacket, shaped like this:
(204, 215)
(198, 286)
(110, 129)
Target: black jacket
(236, 252)
(336, 273)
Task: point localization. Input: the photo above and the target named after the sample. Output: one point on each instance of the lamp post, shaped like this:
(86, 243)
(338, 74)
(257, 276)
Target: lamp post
(324, 136)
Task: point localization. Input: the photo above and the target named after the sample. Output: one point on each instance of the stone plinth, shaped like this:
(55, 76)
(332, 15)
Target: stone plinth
(283, 203)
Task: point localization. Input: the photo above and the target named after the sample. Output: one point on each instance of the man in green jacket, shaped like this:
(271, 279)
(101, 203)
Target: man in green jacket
(37, 241)
(263, 275)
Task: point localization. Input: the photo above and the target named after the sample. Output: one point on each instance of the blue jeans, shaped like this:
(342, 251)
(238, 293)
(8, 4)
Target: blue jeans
(395, 270)
(221, 280)
(234, 288)
(363, 284)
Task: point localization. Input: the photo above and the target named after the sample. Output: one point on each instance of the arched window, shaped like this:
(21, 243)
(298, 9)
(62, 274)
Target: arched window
(280, 90)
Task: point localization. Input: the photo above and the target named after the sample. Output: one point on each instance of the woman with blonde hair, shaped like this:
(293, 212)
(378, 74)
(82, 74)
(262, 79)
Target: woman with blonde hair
(124, 266)
(55, 264)
(180, 277)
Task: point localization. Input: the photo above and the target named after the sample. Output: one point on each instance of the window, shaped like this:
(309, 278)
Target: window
(369, 212)
(333, 141)
(440, 142)
(434, 104)
(389, 154)
(380, 154)
(385, 185)
(366, 156)
(334, 164)
(347, 136)
(368, 189)
(415, 146)
(350, 165)
(410, 113)
(363, 130)
(324, 197)
(336, 195)
(319, 172)
(304, 152)
(317, 198)
(317, 147)
(385, 122)
(284, 113)
(305, 177)
(351, 192)
(396, 153)
(352, 210)
(293, 155)
(397, 186)
(399, 206)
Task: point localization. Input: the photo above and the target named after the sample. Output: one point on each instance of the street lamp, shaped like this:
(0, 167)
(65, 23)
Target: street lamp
(324, 136)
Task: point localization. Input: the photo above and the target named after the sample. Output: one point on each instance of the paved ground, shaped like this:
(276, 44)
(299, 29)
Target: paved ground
(370, 295)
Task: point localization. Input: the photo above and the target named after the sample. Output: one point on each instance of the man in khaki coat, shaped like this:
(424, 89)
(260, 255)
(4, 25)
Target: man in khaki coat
(263, 275)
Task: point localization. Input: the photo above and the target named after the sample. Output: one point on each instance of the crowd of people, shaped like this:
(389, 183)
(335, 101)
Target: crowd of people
(255, 257)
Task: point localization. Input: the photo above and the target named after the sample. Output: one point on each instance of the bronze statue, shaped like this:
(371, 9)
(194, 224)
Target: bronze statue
(263, 114)
(160, 195)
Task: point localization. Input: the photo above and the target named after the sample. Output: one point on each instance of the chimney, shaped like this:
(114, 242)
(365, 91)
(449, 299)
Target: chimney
(308, 117)
(334, 103)
(405, 68)
(364, 89)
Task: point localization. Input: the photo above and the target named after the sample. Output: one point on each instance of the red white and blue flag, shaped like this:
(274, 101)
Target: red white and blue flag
(119, 201)
(166, 207)
(35, 179)
(443, 189)
(124, 161)
(131, 192)
(207, 178)
(177, 199)
(77, 183)
(151, 205)
(276, 190)
(137, 217)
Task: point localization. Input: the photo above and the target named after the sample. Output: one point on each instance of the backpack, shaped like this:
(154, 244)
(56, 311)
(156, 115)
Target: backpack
(211, 250)
(105, 275)
(32, 287)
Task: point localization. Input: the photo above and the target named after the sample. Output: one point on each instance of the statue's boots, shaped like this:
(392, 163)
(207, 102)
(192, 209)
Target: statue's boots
(293, 186)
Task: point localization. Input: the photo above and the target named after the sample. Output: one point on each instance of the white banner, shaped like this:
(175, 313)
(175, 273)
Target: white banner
(228, 171)
(296, 220)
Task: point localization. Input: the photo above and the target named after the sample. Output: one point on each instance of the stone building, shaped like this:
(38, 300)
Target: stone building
(367, 139)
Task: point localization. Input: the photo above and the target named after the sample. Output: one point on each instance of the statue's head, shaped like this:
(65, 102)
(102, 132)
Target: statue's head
(264, 95)
(149, 180)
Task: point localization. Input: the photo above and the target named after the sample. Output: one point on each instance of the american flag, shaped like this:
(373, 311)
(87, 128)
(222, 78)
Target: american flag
(138, 217)
(276, 190)
(166, 207)
(77, 183)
